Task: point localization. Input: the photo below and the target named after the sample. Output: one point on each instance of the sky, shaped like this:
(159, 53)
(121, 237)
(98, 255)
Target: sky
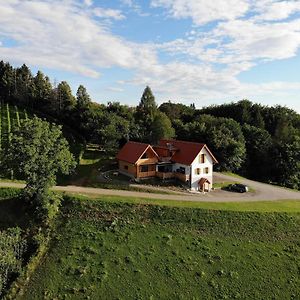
(189, 51)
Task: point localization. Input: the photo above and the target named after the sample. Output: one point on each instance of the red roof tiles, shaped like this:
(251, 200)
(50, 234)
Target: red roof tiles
(132, 151)
(186, 151)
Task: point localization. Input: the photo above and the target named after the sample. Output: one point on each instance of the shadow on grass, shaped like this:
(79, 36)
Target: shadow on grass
(88, 172)
(13, 213)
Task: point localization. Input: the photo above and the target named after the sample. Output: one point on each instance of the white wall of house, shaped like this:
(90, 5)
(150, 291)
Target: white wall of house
(178, 166)
(196, 164)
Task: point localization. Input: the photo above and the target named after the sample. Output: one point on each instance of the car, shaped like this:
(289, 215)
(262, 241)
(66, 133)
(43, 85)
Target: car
(237, 187)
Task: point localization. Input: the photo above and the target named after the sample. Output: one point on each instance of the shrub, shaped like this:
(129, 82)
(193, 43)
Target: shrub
(12, 248)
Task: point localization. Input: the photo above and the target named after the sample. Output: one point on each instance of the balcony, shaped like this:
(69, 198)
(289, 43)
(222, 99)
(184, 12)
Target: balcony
(146, 174)
(165, 175)
(169, 175)
(182, 177)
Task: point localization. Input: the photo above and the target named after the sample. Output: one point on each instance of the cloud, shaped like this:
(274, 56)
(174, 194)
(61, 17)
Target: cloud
(108, 13)
(115, 89)
(270, 10)
(64, 35)
(244, 42)
(88, 2)
(75, 36)
(203, 11)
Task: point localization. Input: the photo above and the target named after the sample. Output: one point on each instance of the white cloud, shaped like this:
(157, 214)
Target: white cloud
(74, 36)
(64, 35)
(115, 89)
(88, 2)
(108, 13)
(270, 10)
(203, 11)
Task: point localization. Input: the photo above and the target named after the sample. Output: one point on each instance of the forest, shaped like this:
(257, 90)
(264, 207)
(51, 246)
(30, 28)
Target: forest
(256, 141)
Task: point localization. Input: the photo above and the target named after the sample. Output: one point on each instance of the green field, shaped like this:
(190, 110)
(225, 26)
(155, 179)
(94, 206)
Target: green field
(109, 250)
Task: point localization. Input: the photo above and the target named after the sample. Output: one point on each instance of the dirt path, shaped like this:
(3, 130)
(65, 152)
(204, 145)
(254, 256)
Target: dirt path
(263, 192)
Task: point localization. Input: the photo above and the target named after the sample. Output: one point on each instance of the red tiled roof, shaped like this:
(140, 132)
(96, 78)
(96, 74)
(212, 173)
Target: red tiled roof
(132, 151)
(187, 151)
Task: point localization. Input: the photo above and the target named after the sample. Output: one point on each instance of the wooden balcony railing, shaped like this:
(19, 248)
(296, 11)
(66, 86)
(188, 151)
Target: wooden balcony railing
(146, 174)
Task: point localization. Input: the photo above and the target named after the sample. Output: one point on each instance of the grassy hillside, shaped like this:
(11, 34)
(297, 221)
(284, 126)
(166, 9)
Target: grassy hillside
(105, 250)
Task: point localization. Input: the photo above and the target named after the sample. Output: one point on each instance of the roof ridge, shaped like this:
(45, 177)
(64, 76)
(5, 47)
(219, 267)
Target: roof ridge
(181, 141)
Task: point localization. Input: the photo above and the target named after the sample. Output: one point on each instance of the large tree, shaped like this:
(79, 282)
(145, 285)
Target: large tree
(145, 114)
(223, 136)
(66, 102)
(38, 151)
(258, 145)
(161, 128)
(83, 98)
(42, 90)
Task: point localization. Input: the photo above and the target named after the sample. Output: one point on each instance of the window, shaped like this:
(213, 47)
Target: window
(197, 171)
(144, 169)
(202, 158)
(126, 167)
(206, 170)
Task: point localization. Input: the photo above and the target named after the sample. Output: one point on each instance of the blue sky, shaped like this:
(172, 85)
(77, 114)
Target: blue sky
(202, 52)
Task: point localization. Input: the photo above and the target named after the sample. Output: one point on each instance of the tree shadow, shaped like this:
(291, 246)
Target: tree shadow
(13, 213)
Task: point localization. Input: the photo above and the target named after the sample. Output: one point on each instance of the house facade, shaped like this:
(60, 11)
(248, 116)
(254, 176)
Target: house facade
(191, 163)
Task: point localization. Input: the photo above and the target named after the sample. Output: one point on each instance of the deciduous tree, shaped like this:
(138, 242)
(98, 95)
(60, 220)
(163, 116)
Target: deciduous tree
(38, 151)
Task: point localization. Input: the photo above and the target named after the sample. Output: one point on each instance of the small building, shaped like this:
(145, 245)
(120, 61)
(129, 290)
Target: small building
(137, 160)
(189, 162)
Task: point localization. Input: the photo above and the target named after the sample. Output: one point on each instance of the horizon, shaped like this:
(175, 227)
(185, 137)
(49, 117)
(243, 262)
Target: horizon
(186, 51)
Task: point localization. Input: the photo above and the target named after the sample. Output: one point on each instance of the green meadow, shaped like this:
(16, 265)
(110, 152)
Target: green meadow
(108, 249)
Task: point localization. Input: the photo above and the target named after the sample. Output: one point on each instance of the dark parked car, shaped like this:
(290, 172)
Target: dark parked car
(237, 187)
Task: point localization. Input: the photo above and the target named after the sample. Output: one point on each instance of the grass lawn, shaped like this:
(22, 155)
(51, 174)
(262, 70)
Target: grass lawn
(109, 250)
(292, 206)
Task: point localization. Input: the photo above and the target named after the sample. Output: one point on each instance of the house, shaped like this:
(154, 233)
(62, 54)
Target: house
(137, 160)
(189, 162)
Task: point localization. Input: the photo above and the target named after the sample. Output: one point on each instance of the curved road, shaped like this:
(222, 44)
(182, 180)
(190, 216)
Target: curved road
(263, 192)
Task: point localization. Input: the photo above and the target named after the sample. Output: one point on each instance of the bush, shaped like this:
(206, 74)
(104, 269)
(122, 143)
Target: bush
(9, 193)
(12, 248)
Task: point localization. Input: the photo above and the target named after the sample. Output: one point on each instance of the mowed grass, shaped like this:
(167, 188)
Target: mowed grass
(109, 250)
(291, 206)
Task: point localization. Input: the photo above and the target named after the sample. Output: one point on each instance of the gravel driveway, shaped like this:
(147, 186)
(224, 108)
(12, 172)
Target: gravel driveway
(263, 192)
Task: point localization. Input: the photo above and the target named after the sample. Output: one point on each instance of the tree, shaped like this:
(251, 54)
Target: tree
(43, 89)
(258, 146)
(66, 102)
(83, 98)
(286, 162)
(6, 80)
(23, 85)
(223, 136)
(161, 127)
(38, 151)
(145, 113)
(177, 111)
(147, 107)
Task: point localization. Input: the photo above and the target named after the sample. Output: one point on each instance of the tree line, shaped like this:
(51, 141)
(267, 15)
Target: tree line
(257, 141)
(108, 124)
